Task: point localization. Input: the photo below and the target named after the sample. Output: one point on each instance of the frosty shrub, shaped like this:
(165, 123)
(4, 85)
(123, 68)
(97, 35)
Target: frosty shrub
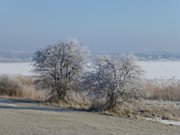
(113, 78)
(60, 66)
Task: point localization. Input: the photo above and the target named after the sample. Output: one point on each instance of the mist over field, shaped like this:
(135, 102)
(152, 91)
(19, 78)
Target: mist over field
(102, 26)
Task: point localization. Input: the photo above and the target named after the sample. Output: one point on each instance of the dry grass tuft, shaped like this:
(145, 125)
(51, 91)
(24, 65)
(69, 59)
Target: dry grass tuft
(10, 86)
(74, 100)
(165, 89)
(20, 86)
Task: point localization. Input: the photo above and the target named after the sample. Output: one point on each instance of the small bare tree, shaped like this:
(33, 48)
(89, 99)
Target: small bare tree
(61, 66)
(114, 77)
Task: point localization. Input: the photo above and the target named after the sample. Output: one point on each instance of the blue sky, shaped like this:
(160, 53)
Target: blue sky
(101, 25)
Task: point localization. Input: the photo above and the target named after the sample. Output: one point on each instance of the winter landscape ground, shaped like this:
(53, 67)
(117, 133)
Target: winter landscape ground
(19, 117)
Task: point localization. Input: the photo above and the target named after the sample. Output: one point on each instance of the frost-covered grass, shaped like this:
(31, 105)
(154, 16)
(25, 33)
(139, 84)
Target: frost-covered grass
(165, 110)
(25, 87)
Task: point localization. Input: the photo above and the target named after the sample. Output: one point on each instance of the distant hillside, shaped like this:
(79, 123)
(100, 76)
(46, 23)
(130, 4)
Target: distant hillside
(15, 56)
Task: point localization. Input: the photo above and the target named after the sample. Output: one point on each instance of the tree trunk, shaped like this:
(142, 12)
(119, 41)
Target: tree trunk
(60, 90)
(111, 103)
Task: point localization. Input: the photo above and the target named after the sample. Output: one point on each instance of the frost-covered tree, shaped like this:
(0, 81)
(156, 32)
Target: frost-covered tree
(114, 77)
(61, 66)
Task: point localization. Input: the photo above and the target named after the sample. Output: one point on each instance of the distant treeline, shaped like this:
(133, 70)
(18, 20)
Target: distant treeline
(158, 56)
(147, 56)
(23, 56)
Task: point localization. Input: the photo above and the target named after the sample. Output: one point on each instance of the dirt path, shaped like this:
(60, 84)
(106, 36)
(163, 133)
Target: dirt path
(27, 118)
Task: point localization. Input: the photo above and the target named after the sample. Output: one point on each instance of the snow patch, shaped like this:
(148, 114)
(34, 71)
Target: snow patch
(6, 104)
(167, 122)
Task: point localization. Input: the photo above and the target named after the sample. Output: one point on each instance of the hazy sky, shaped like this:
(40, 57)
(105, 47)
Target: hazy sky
(101, 25)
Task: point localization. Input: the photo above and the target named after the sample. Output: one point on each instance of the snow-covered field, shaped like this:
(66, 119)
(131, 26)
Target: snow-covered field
(161, 69)
(16, 68)
(153, 69)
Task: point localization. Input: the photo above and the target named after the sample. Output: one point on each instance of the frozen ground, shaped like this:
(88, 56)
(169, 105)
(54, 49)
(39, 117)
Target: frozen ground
(153, 69)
